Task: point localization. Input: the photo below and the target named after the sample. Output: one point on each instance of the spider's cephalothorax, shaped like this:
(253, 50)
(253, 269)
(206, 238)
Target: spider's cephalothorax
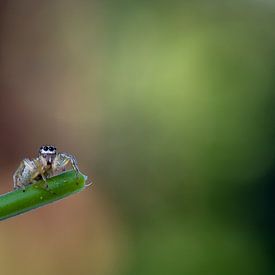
(47, 164)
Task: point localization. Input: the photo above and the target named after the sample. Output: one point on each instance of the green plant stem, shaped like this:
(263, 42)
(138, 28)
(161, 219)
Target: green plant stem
(36, 195)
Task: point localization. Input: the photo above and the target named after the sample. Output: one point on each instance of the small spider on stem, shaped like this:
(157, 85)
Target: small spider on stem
(47, 164)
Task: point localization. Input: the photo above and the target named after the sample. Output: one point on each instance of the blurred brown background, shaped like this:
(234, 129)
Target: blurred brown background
(169, 108)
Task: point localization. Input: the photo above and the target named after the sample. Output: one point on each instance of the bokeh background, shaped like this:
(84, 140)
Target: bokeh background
(169, 108)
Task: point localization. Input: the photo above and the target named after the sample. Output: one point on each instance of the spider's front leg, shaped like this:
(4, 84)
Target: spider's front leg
(24, 174)
(17, 180)
(62, 160)
(41, 171)
(73, 162)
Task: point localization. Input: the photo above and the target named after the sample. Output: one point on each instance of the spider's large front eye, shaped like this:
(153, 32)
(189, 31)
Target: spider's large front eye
(45, 148)
(51, 148)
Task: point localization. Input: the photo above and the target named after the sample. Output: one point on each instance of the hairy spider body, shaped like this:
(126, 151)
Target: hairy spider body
(47, 164)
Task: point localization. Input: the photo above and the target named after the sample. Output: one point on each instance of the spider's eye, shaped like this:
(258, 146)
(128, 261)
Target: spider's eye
(45, 148)
(51, 148)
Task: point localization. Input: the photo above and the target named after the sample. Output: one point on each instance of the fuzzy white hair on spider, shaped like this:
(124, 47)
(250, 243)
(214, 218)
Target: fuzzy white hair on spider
(47, 149)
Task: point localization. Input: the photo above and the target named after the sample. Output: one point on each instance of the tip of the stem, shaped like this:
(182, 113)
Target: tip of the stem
(88, 184)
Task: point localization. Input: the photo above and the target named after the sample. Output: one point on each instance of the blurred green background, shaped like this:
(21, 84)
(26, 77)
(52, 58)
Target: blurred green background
(169, 108)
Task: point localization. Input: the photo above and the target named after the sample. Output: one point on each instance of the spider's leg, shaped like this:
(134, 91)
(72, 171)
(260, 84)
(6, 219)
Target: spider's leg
(23, 174)
(63, 159)
(17, 184)
(74, 163)
(41, 172)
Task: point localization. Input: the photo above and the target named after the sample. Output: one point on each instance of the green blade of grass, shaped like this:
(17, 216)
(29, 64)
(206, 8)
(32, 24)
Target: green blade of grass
(35, 195)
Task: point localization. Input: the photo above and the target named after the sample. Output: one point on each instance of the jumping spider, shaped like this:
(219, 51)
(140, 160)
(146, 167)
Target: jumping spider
(48, 163)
